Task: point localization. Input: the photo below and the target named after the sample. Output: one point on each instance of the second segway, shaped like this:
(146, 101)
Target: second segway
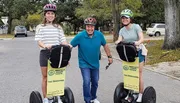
(127, 91)
(59, 58)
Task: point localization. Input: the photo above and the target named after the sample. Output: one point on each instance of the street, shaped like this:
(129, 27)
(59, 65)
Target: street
(20, 74)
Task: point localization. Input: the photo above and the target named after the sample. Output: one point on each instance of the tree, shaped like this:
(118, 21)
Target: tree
(172, 21)
(99, 8)
(152, 12)
(116, 18)
(34, 19)
(66, 12)
(14, 9)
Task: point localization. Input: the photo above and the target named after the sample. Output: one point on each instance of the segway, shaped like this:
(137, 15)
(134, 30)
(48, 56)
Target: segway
(130, 87)
(59, 58)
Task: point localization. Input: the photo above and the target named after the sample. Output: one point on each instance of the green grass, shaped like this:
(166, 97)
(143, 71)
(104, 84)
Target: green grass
(6, 36)
(157, 55)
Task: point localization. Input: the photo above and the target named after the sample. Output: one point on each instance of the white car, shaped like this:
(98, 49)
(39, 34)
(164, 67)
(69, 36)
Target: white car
(20, 30)
(156, 29)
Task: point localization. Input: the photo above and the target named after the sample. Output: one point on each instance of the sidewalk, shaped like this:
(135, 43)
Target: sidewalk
(170, 69)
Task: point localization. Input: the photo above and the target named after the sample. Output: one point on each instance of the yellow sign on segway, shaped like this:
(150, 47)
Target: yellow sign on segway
(55, 81)
(131, 75)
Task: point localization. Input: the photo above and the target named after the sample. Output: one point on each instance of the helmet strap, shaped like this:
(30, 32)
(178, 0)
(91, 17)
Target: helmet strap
(127, 24)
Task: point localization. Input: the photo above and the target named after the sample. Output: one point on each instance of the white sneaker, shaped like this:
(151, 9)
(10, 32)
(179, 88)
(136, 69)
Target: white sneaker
(139, 98)
(127, 97)
(51, 100)
(95, 101)
(59, 99)
(45, 100)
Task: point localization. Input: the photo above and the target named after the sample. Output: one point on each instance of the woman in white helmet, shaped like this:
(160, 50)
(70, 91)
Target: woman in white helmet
(132, 33)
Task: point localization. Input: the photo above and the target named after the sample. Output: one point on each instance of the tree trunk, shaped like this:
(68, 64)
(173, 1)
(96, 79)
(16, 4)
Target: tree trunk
(9, 24)
(116, 19)
(172, 21)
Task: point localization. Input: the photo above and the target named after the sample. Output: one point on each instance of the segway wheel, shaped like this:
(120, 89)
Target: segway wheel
(149, 95)
(120, 93)
(35, 97)
(68, 96)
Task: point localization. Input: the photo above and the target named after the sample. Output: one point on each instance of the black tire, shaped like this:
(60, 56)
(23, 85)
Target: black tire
(35, 97)
(68, 96)
(149, 95)
(120, 93)
(15, 35)
(150, 35)
(25, 35)
(157, 34)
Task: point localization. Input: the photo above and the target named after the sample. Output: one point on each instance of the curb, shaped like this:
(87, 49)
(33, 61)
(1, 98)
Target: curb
(170, 76)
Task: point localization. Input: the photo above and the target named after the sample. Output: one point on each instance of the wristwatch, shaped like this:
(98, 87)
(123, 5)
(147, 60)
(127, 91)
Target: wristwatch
(109, 56)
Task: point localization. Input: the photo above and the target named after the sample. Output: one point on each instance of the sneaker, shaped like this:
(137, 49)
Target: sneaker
(95, 101)
(127, 97)
(51, 100)
(139, 98)
(59, 99)
(45, 100)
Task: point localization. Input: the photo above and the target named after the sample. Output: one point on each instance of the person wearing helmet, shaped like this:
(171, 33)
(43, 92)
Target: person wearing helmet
(131, 32)
(89, 42)
(48, 34)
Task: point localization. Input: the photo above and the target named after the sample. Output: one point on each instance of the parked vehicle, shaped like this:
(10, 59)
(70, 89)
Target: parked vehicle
(156, 29)
(20, 30)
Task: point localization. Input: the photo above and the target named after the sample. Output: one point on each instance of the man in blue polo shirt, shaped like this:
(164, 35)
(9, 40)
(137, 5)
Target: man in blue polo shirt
(89, 42)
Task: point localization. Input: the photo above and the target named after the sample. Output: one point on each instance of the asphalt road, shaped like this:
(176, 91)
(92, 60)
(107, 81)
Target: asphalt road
(20, 74)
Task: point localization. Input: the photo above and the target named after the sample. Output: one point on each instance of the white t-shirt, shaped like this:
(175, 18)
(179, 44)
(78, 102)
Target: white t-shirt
(49, 34)
(130, 35)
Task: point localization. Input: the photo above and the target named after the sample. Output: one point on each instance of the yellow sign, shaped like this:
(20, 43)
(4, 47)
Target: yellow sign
(131, 75)
(55, 81)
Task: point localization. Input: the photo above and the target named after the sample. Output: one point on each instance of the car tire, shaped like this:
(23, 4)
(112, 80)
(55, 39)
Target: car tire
(25, 35)
(150, 35)
(15, 35)
(157, 34)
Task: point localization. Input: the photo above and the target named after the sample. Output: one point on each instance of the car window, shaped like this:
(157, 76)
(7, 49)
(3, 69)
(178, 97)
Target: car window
(152, 25)
(160, 26)
(20, 27)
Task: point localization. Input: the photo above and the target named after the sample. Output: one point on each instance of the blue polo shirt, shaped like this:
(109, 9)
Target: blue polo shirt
(88, 48)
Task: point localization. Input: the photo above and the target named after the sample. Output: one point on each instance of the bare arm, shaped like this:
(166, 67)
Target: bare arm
(141, 39)
(119, 40)
(108, 53)
(41, 44)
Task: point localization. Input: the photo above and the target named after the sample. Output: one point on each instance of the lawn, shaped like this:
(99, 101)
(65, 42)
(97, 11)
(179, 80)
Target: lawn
(6, 36)
(157, 55)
